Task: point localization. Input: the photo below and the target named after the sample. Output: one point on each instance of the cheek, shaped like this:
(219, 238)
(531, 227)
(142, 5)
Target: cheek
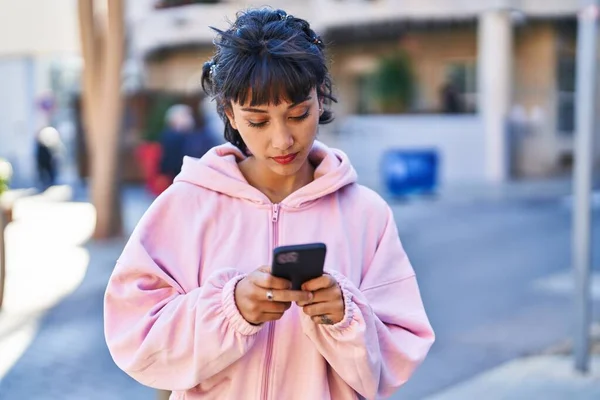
(311, 129)
(256, 140)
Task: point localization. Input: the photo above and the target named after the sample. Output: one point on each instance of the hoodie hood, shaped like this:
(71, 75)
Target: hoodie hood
(218, 171)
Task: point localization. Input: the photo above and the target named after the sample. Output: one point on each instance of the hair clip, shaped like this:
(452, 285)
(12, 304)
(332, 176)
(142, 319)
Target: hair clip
(317, 40)
(284, 16)
(213, 69)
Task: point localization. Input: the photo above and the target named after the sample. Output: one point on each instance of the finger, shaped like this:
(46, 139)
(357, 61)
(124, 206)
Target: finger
(263, 278)
(329, 294)
(274, 306)
(280, 296)
(255, 310)
(266, 317)
(322, 282)
(295, 296)
(303, 303)
(332, 307)
(332, 293)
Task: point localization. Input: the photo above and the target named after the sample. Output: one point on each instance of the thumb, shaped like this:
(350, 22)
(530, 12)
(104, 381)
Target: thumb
(265, 268)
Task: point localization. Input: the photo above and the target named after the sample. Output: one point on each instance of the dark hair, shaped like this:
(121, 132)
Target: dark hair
(276, 55)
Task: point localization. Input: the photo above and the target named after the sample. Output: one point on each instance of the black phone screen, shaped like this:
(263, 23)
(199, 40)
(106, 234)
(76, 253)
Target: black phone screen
(299, 263)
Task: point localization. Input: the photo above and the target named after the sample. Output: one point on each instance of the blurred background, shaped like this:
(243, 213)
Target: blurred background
(461, 113)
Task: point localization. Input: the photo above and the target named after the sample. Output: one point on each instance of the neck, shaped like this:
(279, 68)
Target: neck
(275, 187)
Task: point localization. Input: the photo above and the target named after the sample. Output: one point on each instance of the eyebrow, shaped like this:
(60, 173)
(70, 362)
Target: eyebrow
(258, 110)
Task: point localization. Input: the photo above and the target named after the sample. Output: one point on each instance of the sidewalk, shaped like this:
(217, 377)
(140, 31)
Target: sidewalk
(548, 377)
(51, 330)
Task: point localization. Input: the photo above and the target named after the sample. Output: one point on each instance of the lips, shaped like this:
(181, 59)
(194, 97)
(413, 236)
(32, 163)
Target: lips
(285, 159)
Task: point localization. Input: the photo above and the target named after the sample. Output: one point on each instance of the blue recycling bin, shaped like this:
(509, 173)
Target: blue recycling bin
(406, 172)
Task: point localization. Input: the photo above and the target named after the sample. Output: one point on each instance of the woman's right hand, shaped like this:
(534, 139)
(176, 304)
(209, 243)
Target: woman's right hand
(252, 296)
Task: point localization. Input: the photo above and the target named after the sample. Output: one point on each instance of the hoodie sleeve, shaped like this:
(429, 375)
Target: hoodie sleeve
(161, 329)
(385, 333)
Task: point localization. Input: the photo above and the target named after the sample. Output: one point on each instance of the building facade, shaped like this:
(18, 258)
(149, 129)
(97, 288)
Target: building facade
(511, 64)
(39, 68)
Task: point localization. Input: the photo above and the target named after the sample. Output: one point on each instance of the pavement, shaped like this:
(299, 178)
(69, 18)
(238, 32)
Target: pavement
(495, 277)
(51, 336)
(51, 328)
(548, 377)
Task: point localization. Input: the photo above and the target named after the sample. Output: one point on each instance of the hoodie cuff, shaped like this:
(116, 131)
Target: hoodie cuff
(349, 305)
(232, 314)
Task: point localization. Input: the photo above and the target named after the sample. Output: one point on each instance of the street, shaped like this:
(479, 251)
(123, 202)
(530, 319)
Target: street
(491, 275)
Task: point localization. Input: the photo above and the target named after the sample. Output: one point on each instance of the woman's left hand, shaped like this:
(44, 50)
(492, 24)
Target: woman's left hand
(327, 305)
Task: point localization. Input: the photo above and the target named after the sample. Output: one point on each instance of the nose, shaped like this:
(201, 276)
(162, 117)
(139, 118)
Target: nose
(282, 138)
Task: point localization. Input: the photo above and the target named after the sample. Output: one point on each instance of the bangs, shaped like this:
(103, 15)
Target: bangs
(268, 80)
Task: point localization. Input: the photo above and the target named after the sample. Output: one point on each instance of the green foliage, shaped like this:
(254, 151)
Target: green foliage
(393, 83)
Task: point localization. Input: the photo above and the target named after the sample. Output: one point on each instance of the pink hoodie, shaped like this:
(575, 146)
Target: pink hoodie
(170, 316)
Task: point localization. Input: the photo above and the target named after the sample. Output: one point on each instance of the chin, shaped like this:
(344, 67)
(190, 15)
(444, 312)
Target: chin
(286, 170)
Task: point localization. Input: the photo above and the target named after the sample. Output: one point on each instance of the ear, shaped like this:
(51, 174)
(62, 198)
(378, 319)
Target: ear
(230, 117)
(321, 105)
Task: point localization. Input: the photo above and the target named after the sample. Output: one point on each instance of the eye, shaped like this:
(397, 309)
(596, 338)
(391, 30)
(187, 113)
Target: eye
(257, 124)
(301, 117)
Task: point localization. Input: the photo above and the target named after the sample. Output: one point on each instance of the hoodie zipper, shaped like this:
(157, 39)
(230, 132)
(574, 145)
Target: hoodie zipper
(271, 333)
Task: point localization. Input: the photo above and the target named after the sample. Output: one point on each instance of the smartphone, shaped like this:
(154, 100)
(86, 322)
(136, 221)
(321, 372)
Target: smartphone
(299, 263)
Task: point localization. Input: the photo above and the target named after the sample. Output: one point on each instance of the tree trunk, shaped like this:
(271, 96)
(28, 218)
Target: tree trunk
(105, 193)
(102, 43)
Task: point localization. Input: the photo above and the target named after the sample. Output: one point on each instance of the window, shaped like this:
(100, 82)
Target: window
(365, 101)
(565, 77)
(566, 95)
(459, 93)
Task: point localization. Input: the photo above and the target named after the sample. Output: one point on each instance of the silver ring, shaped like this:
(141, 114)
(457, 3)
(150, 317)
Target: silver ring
(270, 295)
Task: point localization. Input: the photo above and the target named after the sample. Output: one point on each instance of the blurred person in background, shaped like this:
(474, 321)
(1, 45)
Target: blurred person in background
(179, 122)
(451, 99)
(48, 151)
(202, 138)
(182, 137)
(191, 305)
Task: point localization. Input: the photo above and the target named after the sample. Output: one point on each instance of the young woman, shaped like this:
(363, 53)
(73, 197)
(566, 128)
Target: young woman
(191, 306)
